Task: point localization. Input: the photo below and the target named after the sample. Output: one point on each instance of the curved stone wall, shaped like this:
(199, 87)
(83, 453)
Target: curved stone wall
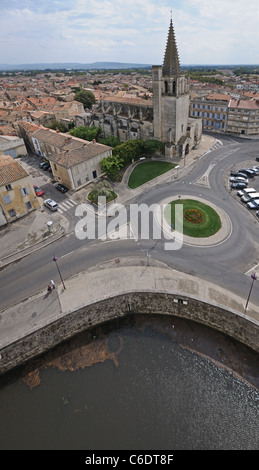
(117, 306)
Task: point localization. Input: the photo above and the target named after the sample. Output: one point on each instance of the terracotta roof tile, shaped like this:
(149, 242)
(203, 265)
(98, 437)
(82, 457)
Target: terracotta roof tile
(76, 156)
(10, 170)
(244, 104)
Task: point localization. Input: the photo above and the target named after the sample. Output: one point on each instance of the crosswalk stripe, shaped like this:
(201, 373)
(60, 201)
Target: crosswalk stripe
(67, 204)
(72, 202)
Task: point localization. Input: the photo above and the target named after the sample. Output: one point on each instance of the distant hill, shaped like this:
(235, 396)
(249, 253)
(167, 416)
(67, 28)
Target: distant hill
(114, 66)
(73, 66)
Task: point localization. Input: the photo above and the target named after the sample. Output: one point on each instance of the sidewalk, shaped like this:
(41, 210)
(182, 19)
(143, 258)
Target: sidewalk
(109, 280)
(28, 234)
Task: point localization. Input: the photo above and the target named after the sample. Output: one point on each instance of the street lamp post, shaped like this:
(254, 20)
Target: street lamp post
(56, 261)
(253, 276)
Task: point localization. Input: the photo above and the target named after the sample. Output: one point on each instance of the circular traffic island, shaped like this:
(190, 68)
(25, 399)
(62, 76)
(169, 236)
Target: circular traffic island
(199, 219)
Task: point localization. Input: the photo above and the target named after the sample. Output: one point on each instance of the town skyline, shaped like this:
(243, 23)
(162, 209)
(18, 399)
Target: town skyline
(222, 32)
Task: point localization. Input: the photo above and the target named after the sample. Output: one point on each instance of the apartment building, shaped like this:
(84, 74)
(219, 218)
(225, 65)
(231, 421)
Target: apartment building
(74, 162)
(243, 118)
(221, 113)
(212, 109)
(17, 196)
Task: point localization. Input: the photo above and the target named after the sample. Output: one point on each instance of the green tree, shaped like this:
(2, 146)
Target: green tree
(58, 125)
(112, 165)
(85, 97)
(130, 150)
(111, 141)
(86, 133)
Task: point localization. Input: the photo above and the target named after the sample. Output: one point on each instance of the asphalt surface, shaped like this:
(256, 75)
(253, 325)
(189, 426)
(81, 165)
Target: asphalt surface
(227, 264)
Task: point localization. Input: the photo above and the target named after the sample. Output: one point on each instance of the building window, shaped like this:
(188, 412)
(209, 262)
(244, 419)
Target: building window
(8, 187)
(12, 213)
(7, 199)
(25, 191)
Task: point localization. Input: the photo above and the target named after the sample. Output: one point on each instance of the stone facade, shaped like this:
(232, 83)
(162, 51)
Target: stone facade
(17, 196)
(74, 162)
(127, 119)
(44, 339)
(165, 118)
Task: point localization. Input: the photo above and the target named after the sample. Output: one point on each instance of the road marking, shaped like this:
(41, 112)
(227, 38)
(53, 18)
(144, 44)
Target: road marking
(252, 270)
(66, 204)
(70, 201)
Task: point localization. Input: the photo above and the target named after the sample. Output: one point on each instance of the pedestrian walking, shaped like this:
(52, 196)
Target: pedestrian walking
(49, 288)
(53, 284)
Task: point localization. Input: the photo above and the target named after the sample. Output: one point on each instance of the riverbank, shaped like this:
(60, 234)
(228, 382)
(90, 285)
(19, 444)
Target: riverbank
(117, 289)
(103, 343)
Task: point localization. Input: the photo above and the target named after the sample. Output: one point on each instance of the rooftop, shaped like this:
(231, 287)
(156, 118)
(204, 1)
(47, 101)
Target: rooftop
(244, 104)
(78, 155)
(10, 170)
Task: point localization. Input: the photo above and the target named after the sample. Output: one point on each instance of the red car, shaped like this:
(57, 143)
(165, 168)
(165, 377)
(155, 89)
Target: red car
(38, 191)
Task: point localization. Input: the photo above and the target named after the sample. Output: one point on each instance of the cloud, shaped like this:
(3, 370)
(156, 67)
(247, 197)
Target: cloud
(219, 31)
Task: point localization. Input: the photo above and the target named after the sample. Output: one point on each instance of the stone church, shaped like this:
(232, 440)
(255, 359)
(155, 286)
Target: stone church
(165, 118)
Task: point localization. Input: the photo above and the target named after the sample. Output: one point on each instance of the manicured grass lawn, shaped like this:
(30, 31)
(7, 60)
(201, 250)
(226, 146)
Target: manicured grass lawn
(146, 171)
(209, 225)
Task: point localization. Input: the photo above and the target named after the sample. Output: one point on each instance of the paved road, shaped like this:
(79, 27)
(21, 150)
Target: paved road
(224, 264)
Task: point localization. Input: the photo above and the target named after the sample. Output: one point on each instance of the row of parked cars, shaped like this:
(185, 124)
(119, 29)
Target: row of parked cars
(240, 180)
(49, 203)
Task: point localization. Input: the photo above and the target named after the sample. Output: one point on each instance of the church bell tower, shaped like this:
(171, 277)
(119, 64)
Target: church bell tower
(170, 99)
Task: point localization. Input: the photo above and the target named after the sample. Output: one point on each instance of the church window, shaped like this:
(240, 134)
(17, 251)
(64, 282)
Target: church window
(166, 87)
(174, 86)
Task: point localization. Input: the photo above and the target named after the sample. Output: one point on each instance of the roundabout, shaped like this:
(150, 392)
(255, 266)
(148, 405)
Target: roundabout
(208, 223)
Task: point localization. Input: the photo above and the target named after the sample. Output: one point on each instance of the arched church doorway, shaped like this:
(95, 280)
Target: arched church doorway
(187, 149)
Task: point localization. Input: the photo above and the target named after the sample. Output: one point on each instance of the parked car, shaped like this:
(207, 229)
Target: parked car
(238, 179)
(61, 187)
(45, 166)
(248, 172)
(52, 205)
(238, 173)
(246, 191)
(255, 169)
(247, 198)
(238, 185)
(38, 191)
(254, 204)
(257, 159)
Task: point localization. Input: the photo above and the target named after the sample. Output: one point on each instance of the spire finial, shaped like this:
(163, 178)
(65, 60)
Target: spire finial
(171, 65)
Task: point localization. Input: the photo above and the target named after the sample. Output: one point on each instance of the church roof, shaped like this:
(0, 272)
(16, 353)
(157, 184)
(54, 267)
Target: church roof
(171, 65)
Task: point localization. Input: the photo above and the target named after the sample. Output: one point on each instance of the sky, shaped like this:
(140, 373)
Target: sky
(130, 31)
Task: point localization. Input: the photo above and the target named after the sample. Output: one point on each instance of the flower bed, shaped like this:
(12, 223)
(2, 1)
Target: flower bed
(193, 215)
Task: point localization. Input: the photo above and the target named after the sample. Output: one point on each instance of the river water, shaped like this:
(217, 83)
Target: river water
(128, 386)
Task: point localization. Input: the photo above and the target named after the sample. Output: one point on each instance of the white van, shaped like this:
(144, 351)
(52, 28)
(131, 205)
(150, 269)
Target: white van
(249, 197)
(246, 191)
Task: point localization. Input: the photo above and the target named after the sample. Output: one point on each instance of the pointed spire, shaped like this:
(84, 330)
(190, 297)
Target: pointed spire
(171, 65)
